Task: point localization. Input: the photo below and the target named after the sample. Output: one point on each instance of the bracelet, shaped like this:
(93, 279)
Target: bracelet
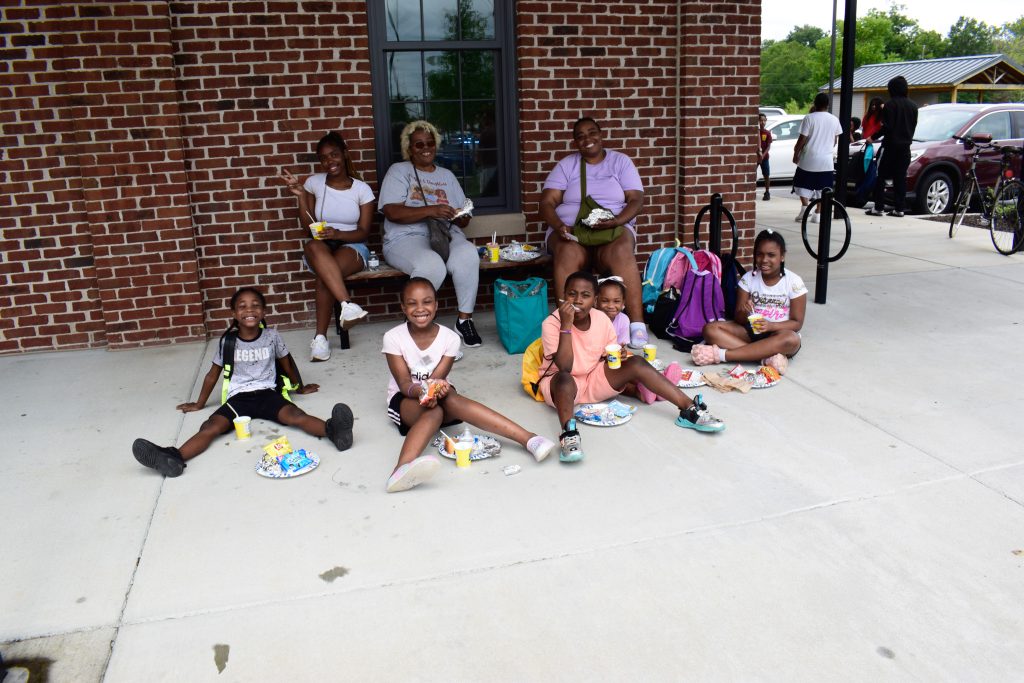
(565, 331)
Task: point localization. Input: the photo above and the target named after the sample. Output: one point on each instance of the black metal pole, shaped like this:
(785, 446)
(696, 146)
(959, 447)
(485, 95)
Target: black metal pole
(715, 236)
(846, 96)
(824, 236)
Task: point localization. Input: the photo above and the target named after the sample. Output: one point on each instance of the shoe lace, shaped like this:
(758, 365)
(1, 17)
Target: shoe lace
(571, 442)
(467, 328)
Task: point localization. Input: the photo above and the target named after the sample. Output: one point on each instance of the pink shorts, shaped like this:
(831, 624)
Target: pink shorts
(591, 388)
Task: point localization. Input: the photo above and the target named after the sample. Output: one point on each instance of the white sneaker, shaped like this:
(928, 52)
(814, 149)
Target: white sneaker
(319, 349)
(813, 218)
(351, 314)
(799, 216)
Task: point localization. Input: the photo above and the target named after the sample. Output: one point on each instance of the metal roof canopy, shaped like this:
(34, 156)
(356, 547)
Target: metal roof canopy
(976, 73)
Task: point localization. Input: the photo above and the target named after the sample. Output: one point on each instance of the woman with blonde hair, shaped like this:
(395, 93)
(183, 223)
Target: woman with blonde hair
(414, 191)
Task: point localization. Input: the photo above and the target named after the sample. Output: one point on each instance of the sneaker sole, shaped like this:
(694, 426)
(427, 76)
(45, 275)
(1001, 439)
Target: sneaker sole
(680, 422)
(150, 455)
(341, 425)
(349, 323)
(543, 453)
(468, 345)
(314, 359)
(576, 457)
(420, 470)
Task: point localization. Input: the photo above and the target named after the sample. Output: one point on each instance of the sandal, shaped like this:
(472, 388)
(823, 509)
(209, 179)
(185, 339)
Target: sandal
(778, 361)
(704, 354)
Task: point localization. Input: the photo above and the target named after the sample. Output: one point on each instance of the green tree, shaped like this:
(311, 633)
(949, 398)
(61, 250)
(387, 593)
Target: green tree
(786, 73)
(970, 37)
(1010, 40)
(805, 35)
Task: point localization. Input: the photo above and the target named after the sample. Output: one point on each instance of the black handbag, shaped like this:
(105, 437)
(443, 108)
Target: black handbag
(438, 231)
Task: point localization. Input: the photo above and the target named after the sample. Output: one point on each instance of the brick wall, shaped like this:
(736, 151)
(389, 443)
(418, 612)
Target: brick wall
(142, 142)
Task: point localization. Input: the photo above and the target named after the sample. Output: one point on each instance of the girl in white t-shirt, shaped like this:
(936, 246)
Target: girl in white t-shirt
(339, 198)
(420, 354)
(774, 293)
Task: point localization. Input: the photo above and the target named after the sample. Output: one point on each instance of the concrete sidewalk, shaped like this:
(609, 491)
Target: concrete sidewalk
(861, 520)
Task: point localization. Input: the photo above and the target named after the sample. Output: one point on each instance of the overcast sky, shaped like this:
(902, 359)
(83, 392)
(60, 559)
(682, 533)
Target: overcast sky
(778, 17)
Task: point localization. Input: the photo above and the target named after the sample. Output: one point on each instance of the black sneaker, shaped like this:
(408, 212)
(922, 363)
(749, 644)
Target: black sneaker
(165, 460)
(339, 427)
(874, 212)
(766, 196)
(467, 331)
(894, 213)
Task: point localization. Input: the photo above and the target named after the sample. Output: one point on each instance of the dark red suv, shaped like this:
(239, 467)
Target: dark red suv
(938, 163)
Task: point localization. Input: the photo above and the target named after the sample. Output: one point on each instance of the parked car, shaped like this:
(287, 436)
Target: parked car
(938, 163)
(785, 130)
(771, 111)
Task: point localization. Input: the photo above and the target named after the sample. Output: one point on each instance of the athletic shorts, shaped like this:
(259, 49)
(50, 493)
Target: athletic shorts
(766, 169)
(264, 404)
(591, 388)
(395, 415)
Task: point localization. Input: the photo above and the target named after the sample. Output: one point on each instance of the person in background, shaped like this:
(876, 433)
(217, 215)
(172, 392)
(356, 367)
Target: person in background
(899, 121)
(855, 134)
(765, 144)
(872, 121)
(812, 154)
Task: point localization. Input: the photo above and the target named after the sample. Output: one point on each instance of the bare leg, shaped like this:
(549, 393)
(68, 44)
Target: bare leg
(293, 416)
(736, 341)
(332, 267)
(324, 307)
(567, 258)
(619, 258)
(563, 394)
(425, 423)
(636, 369)
(457, 407)
(212, 427)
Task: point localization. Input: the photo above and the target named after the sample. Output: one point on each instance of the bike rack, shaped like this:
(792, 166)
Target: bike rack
(828, 207)
(716, 209)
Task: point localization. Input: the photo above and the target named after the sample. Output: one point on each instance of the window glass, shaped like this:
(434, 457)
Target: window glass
(403, 20)
(477, 20)
(1018, 123)
(997, 125)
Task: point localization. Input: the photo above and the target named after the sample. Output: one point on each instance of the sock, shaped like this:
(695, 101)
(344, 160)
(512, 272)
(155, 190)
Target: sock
(320, 336)
(721, 355)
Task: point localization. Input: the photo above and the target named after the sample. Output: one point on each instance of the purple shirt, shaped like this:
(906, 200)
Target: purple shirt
(607, 183)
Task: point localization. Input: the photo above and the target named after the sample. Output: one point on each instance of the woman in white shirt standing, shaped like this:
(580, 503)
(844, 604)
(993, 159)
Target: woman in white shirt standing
(343, 201)
(812, 154)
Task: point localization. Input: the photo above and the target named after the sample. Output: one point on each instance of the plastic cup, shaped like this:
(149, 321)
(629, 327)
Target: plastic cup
(613, 353)
(242, 427)
(493, 252)
(650, 352)
(462, 451)
(317, 230)
(756, 321)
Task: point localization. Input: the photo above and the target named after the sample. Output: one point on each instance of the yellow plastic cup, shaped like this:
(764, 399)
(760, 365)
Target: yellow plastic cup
(317, 230)
(242, 427)
(756, 321)
(650, 352)
(462, 451)
(613, 353)
(493, 252)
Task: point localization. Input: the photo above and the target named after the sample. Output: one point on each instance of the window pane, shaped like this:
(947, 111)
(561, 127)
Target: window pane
(440, 20)
(478, 74)
(442, 75)
(480, 121)
(477, 19)
(446, 116)
(403, 19)
(405, 76)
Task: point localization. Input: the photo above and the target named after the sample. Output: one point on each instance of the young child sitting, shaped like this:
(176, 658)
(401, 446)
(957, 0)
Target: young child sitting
(420, 354)
(770, 291)
(611, 298)
(252, 391)
(574, 338)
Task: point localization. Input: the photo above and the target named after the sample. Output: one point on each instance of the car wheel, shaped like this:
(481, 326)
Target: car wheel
(935, 194)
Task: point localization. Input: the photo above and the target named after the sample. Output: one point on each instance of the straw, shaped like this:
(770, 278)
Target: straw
(228, 404)
(311, 216)
(494, 237)
(445, 435)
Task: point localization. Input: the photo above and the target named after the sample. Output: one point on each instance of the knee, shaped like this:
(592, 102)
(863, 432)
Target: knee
(312, 247)
(563, 381)
(570, 260)
(790, 342)
(711, 330)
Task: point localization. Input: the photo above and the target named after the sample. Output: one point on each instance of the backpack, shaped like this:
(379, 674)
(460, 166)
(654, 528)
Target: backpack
(227, 354)
(664, 308)
(708, 260)
(732, 272)
(681, 264)
(533, 359)
(700, 302)
(654, 274)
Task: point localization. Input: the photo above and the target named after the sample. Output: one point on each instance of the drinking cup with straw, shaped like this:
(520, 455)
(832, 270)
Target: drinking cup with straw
(241, 423)
(493, 252)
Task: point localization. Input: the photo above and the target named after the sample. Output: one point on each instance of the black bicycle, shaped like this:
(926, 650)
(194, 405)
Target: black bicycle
(1005, 236)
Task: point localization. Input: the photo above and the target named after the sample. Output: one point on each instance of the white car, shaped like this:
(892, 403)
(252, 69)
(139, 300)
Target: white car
(785, 130)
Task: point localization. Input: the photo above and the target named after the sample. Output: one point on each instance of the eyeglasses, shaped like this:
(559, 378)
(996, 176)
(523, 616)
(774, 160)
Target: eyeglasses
(420, 144)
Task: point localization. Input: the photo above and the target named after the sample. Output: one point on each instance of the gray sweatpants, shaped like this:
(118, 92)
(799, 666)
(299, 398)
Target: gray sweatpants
(412, 254)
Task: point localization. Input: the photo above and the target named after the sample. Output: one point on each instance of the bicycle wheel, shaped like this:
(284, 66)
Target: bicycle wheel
(1007, 221)
(963, 202)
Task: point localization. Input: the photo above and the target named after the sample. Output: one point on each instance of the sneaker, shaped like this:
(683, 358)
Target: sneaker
(540, 447)
(894, 213)
(413, 473)
(874, 212)
(165, 460)
(813, 218)
(351, 314)
(799, 216)
(778, 361)
(698, 417)
(319, 349)
(638, 336)
(339, 427)
(705, 354)
(467, 331)
(572, 444)
(766, 196)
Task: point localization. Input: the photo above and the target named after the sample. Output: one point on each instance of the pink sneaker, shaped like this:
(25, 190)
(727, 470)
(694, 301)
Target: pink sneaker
(673, 373)
(704, 354)
(645, 394)
(778, 361)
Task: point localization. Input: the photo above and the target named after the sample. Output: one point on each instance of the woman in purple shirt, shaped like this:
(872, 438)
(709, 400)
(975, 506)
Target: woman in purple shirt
(613, 182)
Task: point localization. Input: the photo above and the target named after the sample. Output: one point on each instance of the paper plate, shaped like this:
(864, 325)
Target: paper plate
(610, 414)
(527, 255)
(691, 379)
(759, 381)
(483, 447)
(275, 472)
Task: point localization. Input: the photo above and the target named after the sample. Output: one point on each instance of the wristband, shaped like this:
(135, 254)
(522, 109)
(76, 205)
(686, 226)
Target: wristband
(565, 332)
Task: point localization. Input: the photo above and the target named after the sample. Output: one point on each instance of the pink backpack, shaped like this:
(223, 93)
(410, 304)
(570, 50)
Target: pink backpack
(708, 260)
(678, 267)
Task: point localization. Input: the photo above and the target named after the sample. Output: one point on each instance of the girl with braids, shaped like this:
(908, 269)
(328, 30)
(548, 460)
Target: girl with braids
(339, 198)
(771, 291)
(252, 391)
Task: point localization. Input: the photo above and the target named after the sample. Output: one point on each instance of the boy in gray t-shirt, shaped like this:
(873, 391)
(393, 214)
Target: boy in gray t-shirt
(252, 391)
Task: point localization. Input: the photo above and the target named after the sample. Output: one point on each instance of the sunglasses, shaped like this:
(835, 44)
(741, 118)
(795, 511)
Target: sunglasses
(420, 144)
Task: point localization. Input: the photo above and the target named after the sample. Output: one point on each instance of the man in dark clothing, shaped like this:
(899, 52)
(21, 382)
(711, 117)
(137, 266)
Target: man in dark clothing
(899, 121)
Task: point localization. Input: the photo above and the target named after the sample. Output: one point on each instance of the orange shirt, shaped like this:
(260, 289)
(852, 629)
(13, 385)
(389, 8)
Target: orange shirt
(587, 347)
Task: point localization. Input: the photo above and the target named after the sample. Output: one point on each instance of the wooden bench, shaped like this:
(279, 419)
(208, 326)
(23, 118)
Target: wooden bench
(387, 274)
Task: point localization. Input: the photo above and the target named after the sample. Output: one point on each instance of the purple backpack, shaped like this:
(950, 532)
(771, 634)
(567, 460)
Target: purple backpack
(700, 302)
